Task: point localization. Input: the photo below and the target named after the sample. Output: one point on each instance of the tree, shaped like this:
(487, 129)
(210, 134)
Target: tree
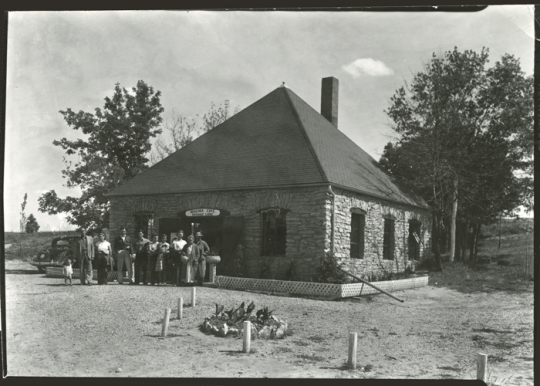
(464, 133)
(32, 225)
(182, 131)
(218, 115)
(22, 221)
(116, 148)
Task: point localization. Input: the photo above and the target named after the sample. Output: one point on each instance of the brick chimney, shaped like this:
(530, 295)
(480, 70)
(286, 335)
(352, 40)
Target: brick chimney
(329, 99)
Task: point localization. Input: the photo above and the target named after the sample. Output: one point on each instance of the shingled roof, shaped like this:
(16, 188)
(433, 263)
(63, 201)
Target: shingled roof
(277, 141)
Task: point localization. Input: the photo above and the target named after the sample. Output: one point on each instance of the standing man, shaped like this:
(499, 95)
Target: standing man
(141, 258)
(202, 261)
(178, 245)
(84, 253)
(122, 250)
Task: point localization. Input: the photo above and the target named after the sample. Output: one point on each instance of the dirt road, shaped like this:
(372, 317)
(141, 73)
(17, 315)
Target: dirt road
(54, 330)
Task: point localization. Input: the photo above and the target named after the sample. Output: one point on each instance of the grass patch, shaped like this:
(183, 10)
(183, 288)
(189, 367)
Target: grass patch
(311, 358)
(450, 368)
(508, 227)
(282, 350)
(300, 343)
(316, 339)
(470, 278)
(492, 331)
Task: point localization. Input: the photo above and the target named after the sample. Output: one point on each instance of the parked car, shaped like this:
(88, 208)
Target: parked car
(60, 250)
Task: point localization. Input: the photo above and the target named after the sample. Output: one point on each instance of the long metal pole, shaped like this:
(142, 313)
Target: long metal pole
(371, 285)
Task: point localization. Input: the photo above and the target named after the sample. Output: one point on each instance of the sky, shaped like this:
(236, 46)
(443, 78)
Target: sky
(57, 60)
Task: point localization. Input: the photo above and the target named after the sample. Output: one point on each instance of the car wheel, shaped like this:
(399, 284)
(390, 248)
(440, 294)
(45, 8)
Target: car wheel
(41, 270)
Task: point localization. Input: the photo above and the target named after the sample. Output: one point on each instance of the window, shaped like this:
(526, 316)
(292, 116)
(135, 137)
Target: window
(274, 232)
(414, 240)
(389, 241)
(358, 223)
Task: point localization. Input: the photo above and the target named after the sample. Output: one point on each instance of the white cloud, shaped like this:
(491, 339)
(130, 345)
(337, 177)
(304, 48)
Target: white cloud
(367, 66)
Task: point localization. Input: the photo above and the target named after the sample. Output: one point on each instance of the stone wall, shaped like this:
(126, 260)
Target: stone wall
(308, 225)
(374, 231)
(306, 222)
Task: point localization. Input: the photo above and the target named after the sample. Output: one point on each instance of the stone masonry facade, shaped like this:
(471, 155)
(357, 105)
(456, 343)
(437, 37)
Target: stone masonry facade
(308, 222)
(376, 210)
(305, 222)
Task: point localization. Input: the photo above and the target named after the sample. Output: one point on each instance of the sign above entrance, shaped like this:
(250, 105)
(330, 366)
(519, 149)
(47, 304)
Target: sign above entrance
(202, 212)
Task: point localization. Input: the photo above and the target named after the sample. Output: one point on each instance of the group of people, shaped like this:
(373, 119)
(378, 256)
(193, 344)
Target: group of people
(148, 261)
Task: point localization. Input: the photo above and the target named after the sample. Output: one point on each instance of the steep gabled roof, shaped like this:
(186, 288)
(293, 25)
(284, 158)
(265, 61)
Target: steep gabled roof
(277, 141)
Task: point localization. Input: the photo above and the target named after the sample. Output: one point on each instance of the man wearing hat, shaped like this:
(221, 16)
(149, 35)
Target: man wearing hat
(204, 248)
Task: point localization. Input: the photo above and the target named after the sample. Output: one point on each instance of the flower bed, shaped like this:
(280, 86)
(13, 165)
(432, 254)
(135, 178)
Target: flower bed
(326, 290)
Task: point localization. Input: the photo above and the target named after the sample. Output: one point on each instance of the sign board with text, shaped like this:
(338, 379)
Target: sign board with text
(203, 212)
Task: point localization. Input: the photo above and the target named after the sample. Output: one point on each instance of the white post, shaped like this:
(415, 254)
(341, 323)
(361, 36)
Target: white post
(352, 349)
(180, 307)
(193, 297)
(165, 322)
(247, 336)
(481, 367)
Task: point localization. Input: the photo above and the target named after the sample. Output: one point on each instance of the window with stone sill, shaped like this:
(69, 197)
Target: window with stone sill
(274, 232)
(389, 239)
(358, 223)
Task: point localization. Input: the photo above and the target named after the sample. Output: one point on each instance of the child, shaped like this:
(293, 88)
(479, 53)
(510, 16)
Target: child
(160, 273)
(68, 271)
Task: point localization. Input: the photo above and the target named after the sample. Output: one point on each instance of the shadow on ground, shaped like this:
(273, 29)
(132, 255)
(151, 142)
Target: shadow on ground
(168, 336)
(22, 272)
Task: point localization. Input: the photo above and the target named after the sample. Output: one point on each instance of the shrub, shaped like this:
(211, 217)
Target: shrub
(328, 271)
(292, 273)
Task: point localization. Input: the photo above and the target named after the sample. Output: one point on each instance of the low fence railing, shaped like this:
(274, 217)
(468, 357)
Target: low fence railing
(317, 289)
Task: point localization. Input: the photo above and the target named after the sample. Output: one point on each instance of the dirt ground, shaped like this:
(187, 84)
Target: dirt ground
(54, 330)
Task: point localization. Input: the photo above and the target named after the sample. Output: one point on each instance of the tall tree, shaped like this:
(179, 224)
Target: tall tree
(22, 221)
(119, 139)
(32, 225)
(464, 133)
(182, 131)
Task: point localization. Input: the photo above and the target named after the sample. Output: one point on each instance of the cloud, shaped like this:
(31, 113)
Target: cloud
(367, 66)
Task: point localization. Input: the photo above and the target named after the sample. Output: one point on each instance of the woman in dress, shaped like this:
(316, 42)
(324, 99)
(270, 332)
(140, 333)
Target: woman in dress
(153, 251)
(178, 268)
(193, 254)
(104, 258)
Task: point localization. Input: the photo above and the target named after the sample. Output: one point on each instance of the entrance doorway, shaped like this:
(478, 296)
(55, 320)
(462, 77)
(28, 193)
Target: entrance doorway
(222, 234)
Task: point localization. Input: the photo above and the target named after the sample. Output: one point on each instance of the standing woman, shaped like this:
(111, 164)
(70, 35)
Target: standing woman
(164, 251)
(178, 267)
(193, 254)
(104, 259)
(153, 250)
(203, 246)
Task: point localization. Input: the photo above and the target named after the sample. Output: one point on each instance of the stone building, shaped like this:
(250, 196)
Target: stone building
(278, 183)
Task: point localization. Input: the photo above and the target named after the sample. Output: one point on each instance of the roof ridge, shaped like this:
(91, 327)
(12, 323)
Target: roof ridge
(304, 133)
